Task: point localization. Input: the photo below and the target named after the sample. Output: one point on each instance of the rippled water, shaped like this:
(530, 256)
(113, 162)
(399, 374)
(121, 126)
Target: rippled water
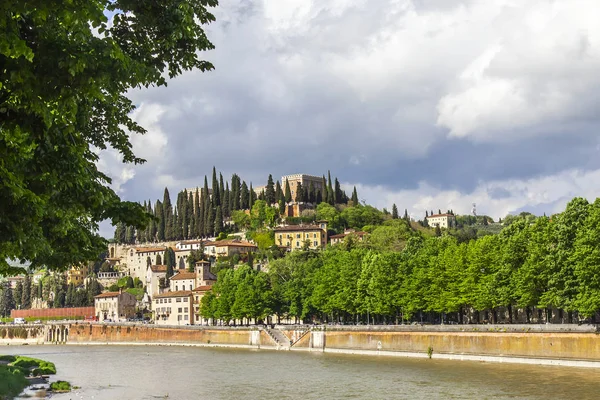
(151, 372)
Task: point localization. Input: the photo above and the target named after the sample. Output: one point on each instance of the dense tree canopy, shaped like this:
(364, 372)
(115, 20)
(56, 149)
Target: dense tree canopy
(64, 73)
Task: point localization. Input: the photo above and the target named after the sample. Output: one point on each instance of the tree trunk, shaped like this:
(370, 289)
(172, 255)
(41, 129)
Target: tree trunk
(510, 314)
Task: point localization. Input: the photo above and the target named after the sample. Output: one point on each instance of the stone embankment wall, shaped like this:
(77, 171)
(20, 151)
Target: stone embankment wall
(22, 334)
(99, 333)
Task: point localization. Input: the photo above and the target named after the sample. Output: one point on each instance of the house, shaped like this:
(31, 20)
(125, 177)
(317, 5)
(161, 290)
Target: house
(296, 237)
(181, 256)
(154, 273)
(198, 293)
(203, 275)
(173, 308)
(209, 249)
(190, 244)
(226, 248)
(441, 220)
(137, 259)
(77, 275)
(182, 281)
(336, 239)
(115, 306)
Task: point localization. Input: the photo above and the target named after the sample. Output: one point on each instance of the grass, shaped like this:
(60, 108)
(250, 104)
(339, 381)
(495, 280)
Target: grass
(14, 371)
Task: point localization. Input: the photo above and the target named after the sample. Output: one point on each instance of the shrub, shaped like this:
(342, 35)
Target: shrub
(62, 386)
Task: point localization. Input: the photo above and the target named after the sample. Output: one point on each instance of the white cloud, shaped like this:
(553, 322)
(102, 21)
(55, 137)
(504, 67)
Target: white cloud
(550, 193)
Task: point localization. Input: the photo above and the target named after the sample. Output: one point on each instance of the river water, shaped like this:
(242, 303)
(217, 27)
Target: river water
(153, 372)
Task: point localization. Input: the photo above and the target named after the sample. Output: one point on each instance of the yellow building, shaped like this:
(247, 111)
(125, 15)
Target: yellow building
(77, 275)
(226, 248)
(304, 180)
(296, 237)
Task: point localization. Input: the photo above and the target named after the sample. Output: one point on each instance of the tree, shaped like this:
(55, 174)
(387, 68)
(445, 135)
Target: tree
(288, 192)
(74, 70)
(394, 211)
(7, 302)
(18, 293)
(270, 191)
(354, 196)
(299, 192)
(26, 295)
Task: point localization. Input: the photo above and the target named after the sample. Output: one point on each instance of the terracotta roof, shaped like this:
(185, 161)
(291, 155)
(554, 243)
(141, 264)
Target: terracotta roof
(158, 268)
(224, 243)
(295, 228)
(175, 249)
(202, 262)
(179, 293)
(441, 215)
(149, 249)
(107, 294)
(342, 235)
(209, 243)
(191, 241)
(183, 275)
(204, 288)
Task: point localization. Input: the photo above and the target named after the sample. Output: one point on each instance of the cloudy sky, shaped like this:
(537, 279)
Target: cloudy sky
(424, 103)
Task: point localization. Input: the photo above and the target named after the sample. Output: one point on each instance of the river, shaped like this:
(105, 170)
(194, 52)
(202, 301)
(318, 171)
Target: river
(153, 372)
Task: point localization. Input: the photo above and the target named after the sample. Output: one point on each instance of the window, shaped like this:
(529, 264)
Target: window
(178, 300)
(185, 317)
(185, 299)
(297, 236)
(297, 244)
(169, 300)
(315, 235)
(176, 288)
(179, 310)
(185, 309)
(179, 318)
(280, 236)
(315, 243)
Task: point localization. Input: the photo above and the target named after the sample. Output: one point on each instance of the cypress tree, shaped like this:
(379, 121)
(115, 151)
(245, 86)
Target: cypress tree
(215, 189)
(244, 196)
(251, 197)
(270, 191)
(338, 194)
(310, 197)
(191, 216)
(406, 217)
(198, 215)
(158, 260)
(299, 192)
(355, 197)
(210, 221)
(278, 192)
(288, 192)
(235, 192)
(324, 189)
(218, 221)
(26, 295)
(168, 215)
(305, 194)
(221, 189)
(18, 293)
(394, 211)
(330, 194)
(227, 202)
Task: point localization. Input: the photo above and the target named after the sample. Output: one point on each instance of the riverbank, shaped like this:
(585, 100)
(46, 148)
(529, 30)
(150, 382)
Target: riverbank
(564, 345)
(18, 372)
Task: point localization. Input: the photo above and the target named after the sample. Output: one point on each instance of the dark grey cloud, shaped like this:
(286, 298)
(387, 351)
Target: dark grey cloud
(452, 95)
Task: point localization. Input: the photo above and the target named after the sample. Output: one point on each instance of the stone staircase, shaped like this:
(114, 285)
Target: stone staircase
(283, 342)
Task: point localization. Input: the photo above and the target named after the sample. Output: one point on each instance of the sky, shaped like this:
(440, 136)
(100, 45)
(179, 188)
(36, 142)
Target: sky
(428, 104)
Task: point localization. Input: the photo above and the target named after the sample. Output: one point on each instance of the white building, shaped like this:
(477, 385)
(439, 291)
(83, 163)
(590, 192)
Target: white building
(173, 308)
(182, 281)
(153, 275)
(441, 220)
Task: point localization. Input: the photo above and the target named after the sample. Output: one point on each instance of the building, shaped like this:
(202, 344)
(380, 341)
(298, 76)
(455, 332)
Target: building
(336, 239)
(114, 306)
(304, 180)
(182, 281)
(441, 220)
(77, 275)
(154, 273)
(296, 237)
(137, 259)
(198, 293)
(226, 248)
(203, 275)
(259, 189)
(13, 280)
(190, 244)
(173, 308)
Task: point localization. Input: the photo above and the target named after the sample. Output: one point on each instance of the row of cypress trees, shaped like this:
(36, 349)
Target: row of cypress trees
(202, 212)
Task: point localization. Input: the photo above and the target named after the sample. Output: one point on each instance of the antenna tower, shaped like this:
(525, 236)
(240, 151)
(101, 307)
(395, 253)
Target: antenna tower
(474, 209)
